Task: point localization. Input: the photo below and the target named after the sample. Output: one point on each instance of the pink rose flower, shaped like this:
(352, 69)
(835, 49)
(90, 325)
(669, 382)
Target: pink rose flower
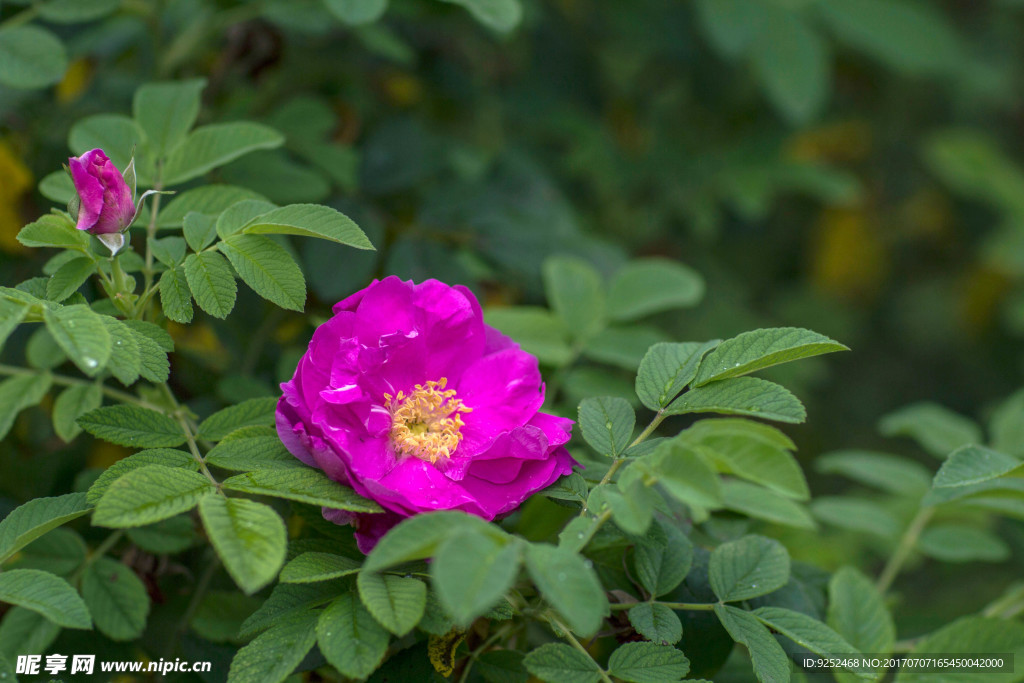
(106, 202)
(409, 398)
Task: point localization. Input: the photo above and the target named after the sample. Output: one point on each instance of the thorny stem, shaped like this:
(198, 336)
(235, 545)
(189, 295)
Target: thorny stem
(567, 634)
(64, 380)
(902, 552)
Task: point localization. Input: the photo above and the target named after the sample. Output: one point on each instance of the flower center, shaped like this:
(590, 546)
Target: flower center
(427, 423)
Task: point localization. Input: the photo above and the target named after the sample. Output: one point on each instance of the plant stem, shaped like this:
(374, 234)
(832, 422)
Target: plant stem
(576, 644)
(64, 380)
(648, 430)
(186, 427)
(902, 552)
(154, 209)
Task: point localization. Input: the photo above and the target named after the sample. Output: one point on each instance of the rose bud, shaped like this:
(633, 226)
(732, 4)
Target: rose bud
(105, 205)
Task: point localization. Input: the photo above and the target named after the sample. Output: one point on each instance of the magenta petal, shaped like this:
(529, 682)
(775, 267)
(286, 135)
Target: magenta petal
(107, 205)
(90, 193)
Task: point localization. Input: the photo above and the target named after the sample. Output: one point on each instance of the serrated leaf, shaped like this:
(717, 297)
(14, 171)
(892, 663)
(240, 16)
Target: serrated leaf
(558, 663)
(249, 537)
(290, 599)
(72, 403)
(24, 631)
(236, 216)
(771, 664)
(150, 494)
(646, 286)
(115, 134)
(69, 277)
(268, 269)
(310, 220)
(36, 517)
(117, 599)
(666, 369)
(397, 603)
(166, 112)
(471, 572)
(856, 514)
(749, 396)
(20, 392)
(212, 283)
(59, 551)
(623, 347)
(748, 567)
(200, 230)
(125, 361)
(807, 632)
(632, 505)
(82, 335)
(166, 537)
(207, 200)
(878, 470)
(350, 638)
(418, 537)
(305, 485)
(574, 290)
(648, 663)
(30, 57)
(221, 613)
(962, 543)
(53, 231)
(607, 424)
(762, 503)
(128, 425)
(175, 295)
(169, 251)
(758, 349)
(569, 585)
(661, 567)
(938, 430)
(154, 344)
(273, 655)
(656, 622)
(538, 331)
(255, 411)
(857, 612)
(973, 465)
(252, 453)
(684, 473)
(46, 594)
(977, 635)
(12, 314)
(208, 147)
(316, 566)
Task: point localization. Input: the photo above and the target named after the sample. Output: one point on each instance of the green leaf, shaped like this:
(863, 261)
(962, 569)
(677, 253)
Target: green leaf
(288, 600)
(500, 15)
(267, 268)
(221, 613)
(70, 405)
(309, 220)
(117, 599)
(20, 392)
(761, 503)
(662, 565)
(167, 537)
(856, 514)
(305, 485)
(57, 187)
(24, 631)
(418, 537)
(69, 278)
(166, 112)
(12, 314)
(354, 13)
(30, 57)
(607, 424)
(685, 474)
(759, 349)
(771, 664)
(255, 411)
(857, 612)
(792, 63)
(962, 543)
(275, 654)
(116, 135)
(158, 456)
(249, 537)
(75, 11)
(574, 290)
(154, 345)
(209, 201)
(538, 331)
(806, 631)
(252, 453)
(315, 566)
(212, 283)
(742, 396)
(208, 147)
(938, 430)
(730, 24)
(631, 503)
(169, 251)
(128, 425)
(569, 585)
(623, 347)
(973, 465)
(912, 37)
(125, 361)
(49, 595)
(7, 670)
(236, 216)
(36, 517)
(558, 663)
(175, 295)
(656, 622)
(150, 494)
(58, 551)
(200, 230)
(747, 568)
(883, 471)
(397, 603)
(471, 572)
(646, 286)
(648, 663)
(977, 635)
(53, 231)
(82, 335)
(666, 369)
(350, 638)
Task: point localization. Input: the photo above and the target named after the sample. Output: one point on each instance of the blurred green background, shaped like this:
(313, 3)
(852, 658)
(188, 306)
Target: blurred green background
(850, 166)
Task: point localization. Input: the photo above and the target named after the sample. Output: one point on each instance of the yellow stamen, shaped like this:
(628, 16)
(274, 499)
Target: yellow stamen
(427, 423)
